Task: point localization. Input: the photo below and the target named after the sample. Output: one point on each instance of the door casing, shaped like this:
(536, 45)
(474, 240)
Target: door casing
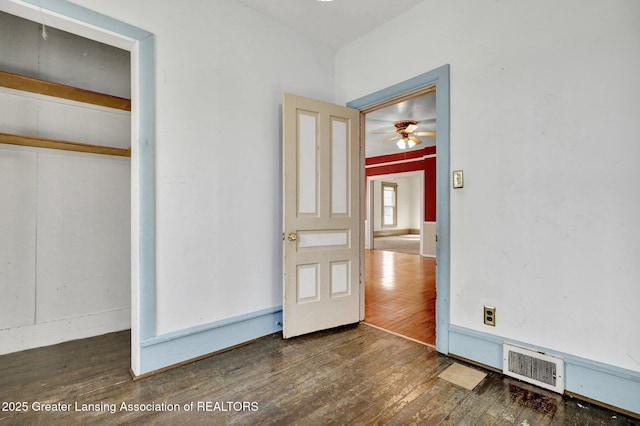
(438, 80)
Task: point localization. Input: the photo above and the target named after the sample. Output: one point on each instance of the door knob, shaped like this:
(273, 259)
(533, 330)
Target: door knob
(292, 236)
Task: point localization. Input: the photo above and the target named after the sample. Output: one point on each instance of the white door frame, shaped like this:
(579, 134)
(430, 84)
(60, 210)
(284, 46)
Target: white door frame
(370, 213)
(440, 78)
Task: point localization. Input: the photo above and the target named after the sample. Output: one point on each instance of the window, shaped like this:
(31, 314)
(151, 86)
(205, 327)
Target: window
(389, 203)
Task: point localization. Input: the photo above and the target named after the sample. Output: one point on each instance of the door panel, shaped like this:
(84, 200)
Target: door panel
(321, 215)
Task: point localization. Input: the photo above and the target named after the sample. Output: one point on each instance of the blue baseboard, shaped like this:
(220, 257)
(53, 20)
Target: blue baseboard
(175, 348)
(608, 384)
(615, 386)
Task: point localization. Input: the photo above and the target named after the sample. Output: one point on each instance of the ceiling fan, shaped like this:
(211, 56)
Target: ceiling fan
(406, 134)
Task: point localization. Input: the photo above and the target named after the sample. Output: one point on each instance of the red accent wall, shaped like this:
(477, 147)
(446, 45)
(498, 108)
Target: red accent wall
(412, 161)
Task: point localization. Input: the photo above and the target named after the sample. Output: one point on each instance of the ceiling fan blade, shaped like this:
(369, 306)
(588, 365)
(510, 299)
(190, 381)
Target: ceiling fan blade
(416, 140)
(390, 139)
(425, 133)
(410, 128)
(381, 133)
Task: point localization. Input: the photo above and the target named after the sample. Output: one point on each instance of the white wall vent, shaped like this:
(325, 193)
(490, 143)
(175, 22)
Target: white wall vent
(531, 366)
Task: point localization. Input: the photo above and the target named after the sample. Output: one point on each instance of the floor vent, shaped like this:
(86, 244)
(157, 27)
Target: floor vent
(534, 367)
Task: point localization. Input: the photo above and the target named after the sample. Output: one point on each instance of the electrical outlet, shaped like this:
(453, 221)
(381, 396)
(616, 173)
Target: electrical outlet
(489, 315)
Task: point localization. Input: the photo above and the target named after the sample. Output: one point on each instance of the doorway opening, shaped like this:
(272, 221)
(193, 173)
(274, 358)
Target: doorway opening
(439, 193)
(400, 286)
(395, 224)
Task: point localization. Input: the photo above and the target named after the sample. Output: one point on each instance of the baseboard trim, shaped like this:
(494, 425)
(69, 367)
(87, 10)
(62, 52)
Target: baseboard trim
(594, 381)
(396, 232)
(173, 349)
(476, 363)
(30, 336)
(192, 360)
(602, 404)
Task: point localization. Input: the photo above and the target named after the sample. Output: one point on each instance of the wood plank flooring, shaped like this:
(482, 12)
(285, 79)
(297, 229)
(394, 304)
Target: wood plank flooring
(355, 375)
(400, 294)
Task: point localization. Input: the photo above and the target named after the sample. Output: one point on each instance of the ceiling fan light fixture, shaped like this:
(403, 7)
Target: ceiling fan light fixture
(406, 131)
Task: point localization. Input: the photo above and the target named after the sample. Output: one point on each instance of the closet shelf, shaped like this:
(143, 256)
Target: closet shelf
(33, 85)
(8, 138)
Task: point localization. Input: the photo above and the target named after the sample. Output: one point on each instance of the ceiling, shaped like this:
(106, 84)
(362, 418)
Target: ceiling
(339, 22)
(334, 23)
(422, 109)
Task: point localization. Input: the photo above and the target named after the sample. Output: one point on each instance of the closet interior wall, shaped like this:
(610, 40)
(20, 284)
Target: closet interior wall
(65, 216)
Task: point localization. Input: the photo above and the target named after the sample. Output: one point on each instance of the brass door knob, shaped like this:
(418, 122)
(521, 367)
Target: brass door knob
(292, 236)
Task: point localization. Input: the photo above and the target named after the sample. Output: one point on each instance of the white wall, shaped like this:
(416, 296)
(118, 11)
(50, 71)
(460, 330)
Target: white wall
(65, 246)
(544, 121)
(64, 217)
(31, 114)
(414, 189)
(221, 70)
(62, 57)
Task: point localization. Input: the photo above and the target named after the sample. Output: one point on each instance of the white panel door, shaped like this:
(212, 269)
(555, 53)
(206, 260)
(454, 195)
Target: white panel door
(321, 215)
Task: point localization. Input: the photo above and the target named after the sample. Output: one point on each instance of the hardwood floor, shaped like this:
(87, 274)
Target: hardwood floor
(355, 375)
(400, 294)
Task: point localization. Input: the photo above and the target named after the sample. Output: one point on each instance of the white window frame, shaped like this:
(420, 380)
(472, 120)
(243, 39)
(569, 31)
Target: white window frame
(394, 188)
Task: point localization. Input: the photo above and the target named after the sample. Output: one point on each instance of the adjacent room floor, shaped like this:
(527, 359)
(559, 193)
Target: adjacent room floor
(400, 294)
(409, 243)
(354, 375)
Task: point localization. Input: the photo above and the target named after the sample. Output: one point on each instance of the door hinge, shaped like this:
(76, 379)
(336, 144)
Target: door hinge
(436, 238)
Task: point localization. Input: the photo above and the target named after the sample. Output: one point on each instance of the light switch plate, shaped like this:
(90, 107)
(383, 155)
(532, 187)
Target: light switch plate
(458, 179)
